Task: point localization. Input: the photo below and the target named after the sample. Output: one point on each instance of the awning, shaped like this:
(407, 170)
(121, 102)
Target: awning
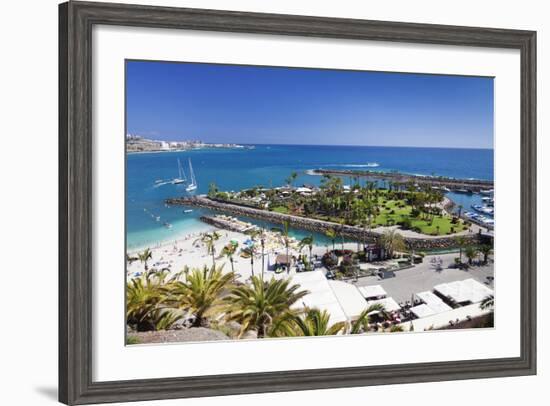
(468, 290)
(340, 299)
(373, 292)
(389, 303)
(422, 310)
(349, 298)
(433, 302)
(320, 295)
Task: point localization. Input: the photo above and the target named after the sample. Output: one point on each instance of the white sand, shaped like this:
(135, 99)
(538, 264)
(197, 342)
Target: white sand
(190, 251)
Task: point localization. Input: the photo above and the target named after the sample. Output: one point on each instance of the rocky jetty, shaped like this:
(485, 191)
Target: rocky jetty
(471, 185)
(357, 233)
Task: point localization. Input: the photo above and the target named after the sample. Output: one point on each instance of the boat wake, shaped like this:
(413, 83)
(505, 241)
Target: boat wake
(162, 183)
(367, 165)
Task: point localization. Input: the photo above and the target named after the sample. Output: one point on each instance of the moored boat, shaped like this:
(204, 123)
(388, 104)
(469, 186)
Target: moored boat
(483, 209)
(181, 175)
(193, 185)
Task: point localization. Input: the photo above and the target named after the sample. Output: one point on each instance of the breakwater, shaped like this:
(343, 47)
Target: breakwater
(416, 242)
(471, 185)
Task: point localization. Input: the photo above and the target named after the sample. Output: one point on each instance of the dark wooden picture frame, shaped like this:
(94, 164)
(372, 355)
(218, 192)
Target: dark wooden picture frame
(76, 20)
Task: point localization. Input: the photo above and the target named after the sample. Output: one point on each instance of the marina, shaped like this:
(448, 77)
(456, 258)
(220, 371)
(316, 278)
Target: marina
(267, 165)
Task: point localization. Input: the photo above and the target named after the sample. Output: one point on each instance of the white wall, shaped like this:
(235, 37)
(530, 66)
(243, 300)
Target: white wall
(28, 219)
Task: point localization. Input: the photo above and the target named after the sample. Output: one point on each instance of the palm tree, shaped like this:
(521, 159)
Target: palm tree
(145, 256)
(290, 180)
(313, 323)
(307, 242)
(251, 250)
(286, 239)
(330, 233)
(261, 304)
(262, 235)
(362, 322)
(461, 241)
(229, 250)
(470, 253)
(212, 190)
(487, 302)
(341, 232)
(147, 301)
(486, 250)
(209, 239)
(262, 242)
(370, 211)
(201, 292)
(130, 259)
(392, 241)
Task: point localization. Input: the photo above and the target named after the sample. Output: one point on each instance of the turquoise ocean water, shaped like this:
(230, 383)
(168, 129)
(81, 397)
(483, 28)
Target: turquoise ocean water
(269, 166)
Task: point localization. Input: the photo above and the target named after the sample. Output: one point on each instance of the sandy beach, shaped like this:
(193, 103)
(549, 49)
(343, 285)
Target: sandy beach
(190, 251)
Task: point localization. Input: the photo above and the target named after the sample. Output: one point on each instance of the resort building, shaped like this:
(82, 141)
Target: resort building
(463, 293)
(374, 252)
(341, 300)
(373, 292)
(283, 261)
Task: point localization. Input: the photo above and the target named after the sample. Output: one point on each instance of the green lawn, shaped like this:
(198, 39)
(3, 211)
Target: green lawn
(397, 210)
(280, 209)
(393, 212)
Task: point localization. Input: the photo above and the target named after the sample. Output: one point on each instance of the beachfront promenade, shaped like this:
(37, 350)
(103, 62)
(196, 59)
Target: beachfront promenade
(413, 240)
(472, 185)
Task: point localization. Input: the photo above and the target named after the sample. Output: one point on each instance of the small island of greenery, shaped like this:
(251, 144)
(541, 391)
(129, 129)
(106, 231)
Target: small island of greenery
(421, 209)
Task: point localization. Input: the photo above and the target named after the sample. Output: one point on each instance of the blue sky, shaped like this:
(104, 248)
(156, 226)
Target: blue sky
(264, 105)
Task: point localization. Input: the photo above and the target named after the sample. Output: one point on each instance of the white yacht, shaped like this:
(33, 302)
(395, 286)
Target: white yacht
(181, 175)
(193, 185)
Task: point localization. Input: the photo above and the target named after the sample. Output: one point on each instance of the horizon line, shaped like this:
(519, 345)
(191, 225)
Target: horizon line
(358, 145)
(332, 145)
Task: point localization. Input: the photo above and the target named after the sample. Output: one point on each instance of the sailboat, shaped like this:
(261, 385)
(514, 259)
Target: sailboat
(193, 185)
(181, 175)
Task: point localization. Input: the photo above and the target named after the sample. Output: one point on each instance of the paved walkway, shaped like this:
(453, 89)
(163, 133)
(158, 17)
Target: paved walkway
(424, 277)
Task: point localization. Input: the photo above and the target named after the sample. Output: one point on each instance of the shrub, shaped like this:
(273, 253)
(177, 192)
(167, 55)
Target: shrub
(347, 266)
(222, 196)
(329, 260)
(341, 253)
(405, 223)
(347, 261)
(132, 340)
(362, 256)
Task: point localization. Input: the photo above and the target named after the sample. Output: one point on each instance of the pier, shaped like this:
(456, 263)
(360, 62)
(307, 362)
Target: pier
(420, 242)
(454, 184)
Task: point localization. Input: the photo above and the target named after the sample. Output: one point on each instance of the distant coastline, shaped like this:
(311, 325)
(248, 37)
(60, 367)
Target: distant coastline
(202, 148)
(139, 144)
